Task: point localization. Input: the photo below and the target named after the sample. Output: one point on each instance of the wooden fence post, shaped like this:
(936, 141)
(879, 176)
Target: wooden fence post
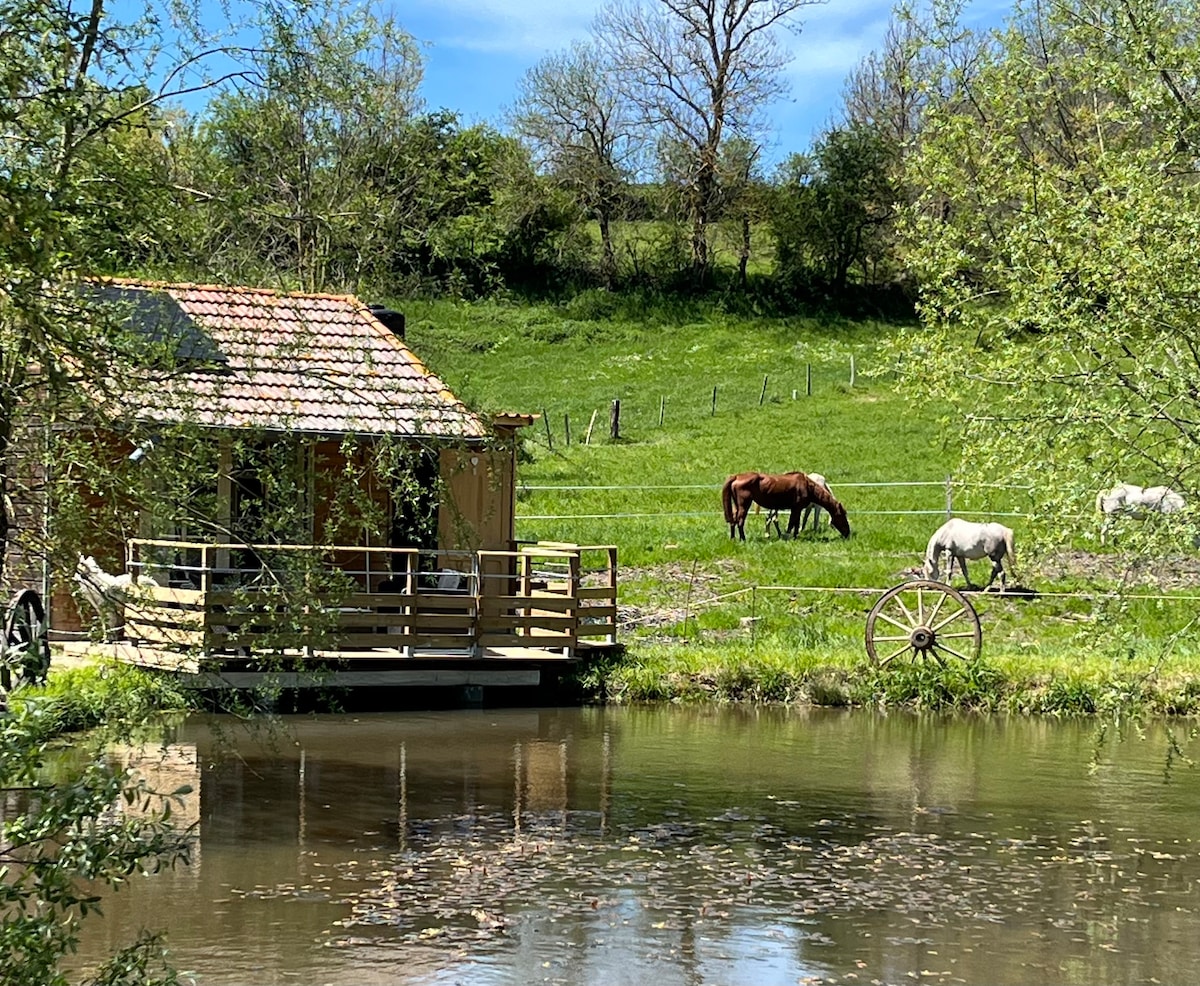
(763, 396)
(587, 439)
(549, 437)
(566, 428)
(808, 379)
(614, 421)
(714, 402)
(851, 369)
(662, 409)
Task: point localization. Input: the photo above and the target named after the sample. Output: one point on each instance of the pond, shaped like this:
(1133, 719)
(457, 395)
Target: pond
(676, 846)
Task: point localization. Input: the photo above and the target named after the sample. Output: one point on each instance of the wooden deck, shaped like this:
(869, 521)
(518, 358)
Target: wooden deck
(381, 617)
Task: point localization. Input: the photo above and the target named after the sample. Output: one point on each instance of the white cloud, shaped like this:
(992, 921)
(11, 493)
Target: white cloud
(514, 27)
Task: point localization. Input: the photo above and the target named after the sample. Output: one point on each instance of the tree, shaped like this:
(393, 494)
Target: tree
(300, 161)
(570, 110)
(744, 195)
(77, 118)
(833, 210)
(63, 834)
(697, 72)
(1055, 244)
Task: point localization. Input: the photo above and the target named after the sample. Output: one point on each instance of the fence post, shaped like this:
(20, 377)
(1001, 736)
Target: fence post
(566, 428)
(662, 409)
(549, 437)
(587, 439)
(949, 497)
(808, 379)
(851, 369)
(763, 396)
(614, 422)
(714, 404)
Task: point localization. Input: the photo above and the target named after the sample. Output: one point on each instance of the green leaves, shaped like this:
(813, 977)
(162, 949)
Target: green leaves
(1055, 239)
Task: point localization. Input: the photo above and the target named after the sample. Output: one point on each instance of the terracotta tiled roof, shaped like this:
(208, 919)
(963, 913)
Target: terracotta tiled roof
(319, 364)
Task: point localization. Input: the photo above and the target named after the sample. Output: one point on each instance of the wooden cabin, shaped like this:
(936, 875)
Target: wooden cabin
(291, 406)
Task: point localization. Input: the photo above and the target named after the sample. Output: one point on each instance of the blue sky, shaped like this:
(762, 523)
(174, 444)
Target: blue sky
(476, 51)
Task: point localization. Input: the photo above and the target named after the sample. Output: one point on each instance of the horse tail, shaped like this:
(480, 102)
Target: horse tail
(1010, 553)
(727, 499)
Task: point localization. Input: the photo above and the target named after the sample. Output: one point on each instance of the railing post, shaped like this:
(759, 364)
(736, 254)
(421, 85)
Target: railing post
(476, 577)
(573, 640)
(612, 600)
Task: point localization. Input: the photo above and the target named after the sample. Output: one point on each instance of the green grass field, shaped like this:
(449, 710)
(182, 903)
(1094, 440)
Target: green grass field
(696, 604)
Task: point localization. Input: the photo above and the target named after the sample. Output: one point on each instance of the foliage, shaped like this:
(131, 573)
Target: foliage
(834, 211)
(1055, 244)
(299, 167)
(570, 111)
(73, 823)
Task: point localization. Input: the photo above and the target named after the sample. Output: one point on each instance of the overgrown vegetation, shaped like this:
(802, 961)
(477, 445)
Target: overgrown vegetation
(74, 821)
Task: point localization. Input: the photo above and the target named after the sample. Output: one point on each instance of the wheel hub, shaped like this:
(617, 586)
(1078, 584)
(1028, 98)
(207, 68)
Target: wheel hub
(921, 638)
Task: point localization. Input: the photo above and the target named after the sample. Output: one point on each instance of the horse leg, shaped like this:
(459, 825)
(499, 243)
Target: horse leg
(962, 565)
(773, 519)
(794, 527)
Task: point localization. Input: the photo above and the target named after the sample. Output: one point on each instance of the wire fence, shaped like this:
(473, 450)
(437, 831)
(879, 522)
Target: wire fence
(945, 507)
(638, 411)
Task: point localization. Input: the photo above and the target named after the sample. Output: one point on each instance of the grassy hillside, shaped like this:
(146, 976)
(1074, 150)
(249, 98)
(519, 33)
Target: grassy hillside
(692, 598)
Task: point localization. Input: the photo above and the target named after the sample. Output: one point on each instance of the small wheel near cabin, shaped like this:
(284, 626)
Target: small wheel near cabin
(25, 645)
(923, 619)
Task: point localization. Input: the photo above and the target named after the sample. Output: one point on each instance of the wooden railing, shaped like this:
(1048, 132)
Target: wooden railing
(212, 598)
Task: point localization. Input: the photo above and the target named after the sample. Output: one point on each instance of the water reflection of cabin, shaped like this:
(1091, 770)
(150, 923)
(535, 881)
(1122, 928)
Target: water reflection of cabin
(440, 593)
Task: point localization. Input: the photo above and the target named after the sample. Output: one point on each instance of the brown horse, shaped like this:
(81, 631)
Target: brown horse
(791, 491)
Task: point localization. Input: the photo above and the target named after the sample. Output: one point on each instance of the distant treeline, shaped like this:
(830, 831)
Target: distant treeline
(313, 162)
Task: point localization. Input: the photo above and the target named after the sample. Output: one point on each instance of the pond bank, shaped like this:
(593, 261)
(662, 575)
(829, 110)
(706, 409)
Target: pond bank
(1059, 685)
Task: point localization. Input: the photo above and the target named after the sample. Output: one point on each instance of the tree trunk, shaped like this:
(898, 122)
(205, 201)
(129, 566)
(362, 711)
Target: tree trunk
(608, 258)
(744, 255)
(5, 499)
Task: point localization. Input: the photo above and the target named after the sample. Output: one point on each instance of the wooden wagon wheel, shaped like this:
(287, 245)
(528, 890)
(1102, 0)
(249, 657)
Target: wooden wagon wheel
(923, 619)
(25, 647)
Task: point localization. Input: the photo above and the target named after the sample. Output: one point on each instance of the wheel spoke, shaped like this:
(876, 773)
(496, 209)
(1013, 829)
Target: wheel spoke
(960, 633)
(894, 654)
(895, 623)
(949, 650)
(912, 621)
(890, 640)
(937, 609)
(948, 620)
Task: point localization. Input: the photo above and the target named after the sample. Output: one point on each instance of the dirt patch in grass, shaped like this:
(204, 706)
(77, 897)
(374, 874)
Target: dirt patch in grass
(1172, 572)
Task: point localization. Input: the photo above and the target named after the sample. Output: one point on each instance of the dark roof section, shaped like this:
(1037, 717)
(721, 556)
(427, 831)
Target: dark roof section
(158, 317)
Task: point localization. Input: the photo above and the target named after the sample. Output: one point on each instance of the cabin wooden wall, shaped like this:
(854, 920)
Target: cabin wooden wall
(477, 511)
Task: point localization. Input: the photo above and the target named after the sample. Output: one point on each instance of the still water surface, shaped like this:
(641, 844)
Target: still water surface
(674, 846)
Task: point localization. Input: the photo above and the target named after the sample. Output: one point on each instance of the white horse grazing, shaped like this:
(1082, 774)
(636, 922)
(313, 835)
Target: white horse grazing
(965, 540)
(106, 593)
(812, 510)
(1128, 500)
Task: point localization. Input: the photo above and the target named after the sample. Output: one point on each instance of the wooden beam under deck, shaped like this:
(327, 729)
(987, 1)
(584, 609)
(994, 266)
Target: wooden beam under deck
(432, 668)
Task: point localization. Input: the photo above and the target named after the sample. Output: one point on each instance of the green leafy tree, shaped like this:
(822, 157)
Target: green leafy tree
(834, 210)
(1055, 243)
(73, 824)
(299, 160)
